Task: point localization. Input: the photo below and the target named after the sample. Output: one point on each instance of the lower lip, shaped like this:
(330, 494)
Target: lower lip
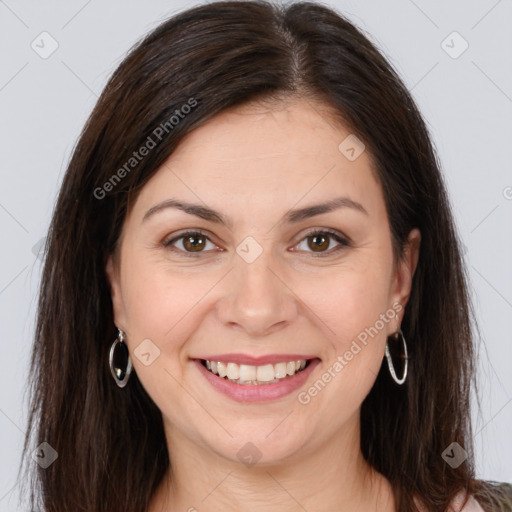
(260, 392)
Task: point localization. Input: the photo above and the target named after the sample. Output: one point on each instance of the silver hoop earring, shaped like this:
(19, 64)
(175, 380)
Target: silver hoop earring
(119, 353)
(390, 360)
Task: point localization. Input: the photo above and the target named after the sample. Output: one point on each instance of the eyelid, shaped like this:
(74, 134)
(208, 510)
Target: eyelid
(335, 234)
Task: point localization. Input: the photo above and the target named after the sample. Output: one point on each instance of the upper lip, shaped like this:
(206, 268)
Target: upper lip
(257, 360)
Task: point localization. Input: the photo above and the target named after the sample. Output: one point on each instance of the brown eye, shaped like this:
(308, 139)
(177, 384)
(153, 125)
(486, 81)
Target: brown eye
(319, 242)
(194, 243)
(189, 243)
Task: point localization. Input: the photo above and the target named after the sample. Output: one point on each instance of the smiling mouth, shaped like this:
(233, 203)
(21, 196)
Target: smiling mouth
(251, 375)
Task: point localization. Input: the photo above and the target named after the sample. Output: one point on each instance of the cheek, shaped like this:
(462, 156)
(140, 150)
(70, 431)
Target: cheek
(165, 306)
(351, 307)
(349, 300)
(159, 306)
(156, 298)
(150, 305)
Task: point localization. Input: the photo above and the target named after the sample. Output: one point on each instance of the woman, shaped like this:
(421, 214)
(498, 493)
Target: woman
(253, 296)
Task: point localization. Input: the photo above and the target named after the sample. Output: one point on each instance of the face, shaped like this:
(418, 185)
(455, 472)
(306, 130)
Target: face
(252, 276)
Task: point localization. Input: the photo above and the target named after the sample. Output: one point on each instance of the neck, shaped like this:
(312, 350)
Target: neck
(331, 476)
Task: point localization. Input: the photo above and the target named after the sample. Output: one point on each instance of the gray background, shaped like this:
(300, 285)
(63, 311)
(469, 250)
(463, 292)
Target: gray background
(467, 102)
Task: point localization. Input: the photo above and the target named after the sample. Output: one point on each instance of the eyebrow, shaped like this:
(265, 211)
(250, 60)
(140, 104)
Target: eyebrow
(291, 217)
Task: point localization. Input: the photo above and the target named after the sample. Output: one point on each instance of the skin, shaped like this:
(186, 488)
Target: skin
(253, 164)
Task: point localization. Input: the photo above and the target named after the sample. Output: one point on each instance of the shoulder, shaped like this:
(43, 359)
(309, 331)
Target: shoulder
(503, 496)
(471, 505)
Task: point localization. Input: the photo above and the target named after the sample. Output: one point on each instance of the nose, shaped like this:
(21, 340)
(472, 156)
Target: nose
(257, 299)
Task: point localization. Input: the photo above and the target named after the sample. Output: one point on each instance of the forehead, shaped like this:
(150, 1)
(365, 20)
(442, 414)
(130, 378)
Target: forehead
(280, 154)
(257, 132)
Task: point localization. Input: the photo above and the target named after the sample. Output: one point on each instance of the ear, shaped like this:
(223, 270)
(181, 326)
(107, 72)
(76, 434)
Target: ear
(402, 277)
(113, 277)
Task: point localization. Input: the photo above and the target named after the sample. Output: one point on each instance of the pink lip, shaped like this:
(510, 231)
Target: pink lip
(258, 393)
(257, 361)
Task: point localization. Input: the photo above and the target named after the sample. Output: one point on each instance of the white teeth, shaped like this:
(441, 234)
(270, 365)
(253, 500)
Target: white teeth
(250, 374)
(265, 373)
(233, 371)
(247, 372)
(222, 369)
(280, 369)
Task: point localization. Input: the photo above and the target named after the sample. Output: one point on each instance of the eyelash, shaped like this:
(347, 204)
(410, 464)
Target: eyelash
(344, 242)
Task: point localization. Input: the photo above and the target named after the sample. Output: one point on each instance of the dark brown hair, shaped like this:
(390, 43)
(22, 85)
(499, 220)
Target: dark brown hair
(110, 442)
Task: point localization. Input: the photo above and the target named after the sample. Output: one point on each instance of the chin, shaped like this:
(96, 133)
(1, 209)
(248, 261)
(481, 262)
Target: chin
(258, 443)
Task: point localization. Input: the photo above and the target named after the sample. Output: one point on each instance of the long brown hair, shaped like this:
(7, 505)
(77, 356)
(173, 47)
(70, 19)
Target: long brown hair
(110, 442)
